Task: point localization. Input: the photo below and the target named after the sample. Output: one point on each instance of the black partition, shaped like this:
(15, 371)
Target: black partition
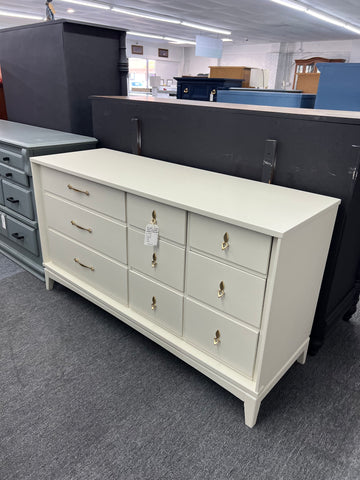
(298, 148)
(50, 69)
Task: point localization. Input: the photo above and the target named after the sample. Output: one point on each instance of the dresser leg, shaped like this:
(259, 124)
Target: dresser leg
(251, 408)
(49, 282)
(302, 357)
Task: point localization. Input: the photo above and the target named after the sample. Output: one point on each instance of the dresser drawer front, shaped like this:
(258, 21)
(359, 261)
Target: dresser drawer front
(98, 197)
(234, 344)
(23, 235)
(11, 158)
(168, 305)
(243, 247)
(171, 221)
(169, 260)
(103, 234)
(244, 292)
(18, 199)
(107, 276)
(14, 174)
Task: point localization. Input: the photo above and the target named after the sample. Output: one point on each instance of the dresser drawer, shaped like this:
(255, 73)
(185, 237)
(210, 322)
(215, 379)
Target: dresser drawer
(220, 337)
(156, 302)
(18, 199)
(95, 231)
(92, 195)
(165, 263)
(13, 158)
(170, 220)
(14, 174)
(235, 244)
(243, 292)
(23, 235)
(97, 271)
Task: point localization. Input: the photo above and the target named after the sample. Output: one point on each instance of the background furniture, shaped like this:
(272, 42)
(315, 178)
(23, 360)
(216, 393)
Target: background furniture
(311, 150)
(339, 86)
(232, 72)
(19, 238)
(256, 97)
(306, 76)
(216, 284)
(202, 88)
(50, 68)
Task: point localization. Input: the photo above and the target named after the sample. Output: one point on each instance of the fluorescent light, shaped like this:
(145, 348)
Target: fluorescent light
(145, 15)
(88, 4)
(325, 18)
(179, 41)
(352, 29)
(20, 15)
(226, 39)
(168, 39)
(295, 6)
(138, 34)
(203, 27)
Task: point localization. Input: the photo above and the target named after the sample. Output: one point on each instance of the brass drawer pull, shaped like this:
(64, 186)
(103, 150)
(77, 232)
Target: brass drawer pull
(213, 91)
(154, 261)
(82, 265)
(70, 187)
(217, 337)
(153, 303)
(186, 90)
(153, 217)
(221, 291)
(225, 243)
(81, 228)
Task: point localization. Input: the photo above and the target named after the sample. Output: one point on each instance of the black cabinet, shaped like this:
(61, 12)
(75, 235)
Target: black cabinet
(203, 88)
(50, 69)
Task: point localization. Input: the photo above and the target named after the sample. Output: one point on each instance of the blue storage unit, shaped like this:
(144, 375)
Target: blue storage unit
(274, 99)
(339, 86)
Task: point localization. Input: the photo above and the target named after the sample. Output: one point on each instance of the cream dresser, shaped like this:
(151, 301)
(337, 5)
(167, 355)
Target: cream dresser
(230, 275)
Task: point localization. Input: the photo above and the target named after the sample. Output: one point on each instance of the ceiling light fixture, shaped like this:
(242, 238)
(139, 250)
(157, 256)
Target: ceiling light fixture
(352, 29)
(203, 27)
(226, 39)
(4, 13)
(325, 18)
(169, 39)
(145, 15)
(88, 4)
(293, 5)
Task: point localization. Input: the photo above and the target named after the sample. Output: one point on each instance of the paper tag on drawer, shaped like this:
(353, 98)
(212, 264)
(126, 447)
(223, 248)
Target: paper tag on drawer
(3, 221)
(151, 235)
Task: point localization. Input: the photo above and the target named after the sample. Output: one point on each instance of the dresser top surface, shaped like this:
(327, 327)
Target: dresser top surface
(269, 209)
(29, 136)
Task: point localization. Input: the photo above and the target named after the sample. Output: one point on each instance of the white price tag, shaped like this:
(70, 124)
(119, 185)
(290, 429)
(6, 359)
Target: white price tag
(211, 97)
(3, 221)
(151, 234)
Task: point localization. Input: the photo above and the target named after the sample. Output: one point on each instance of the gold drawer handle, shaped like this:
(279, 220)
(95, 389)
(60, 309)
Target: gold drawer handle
(154, 261)
(221, 291)
(225, 243)
(186, 90)
(70, 187)
(213, 91)
(81, 228)
(153, 217)
(82, 265)
(217, 337)
(153, 303)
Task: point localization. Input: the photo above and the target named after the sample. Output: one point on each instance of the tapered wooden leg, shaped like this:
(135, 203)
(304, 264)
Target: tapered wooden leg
(251, 408)
(49, 282)
(302, 357)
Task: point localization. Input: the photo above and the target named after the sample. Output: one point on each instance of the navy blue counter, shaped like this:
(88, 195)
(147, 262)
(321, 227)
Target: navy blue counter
(270, 98)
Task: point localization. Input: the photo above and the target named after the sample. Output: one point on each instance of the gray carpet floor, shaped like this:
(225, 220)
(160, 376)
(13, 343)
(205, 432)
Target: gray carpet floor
(84, 397)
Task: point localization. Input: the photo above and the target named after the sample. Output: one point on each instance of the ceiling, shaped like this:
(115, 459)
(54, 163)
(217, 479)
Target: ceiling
(253, 21)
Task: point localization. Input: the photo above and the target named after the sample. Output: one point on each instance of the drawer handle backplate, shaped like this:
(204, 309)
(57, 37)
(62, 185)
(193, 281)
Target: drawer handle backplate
(221, 291)
(225, 243)
(70, 187)
(154, 261)
(12, 200)
(79, 226)
(17, 236)
(82, 265)
(217, 337)
(153, 303)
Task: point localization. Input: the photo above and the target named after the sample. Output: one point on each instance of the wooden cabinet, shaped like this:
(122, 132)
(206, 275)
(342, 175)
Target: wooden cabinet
(306, 77)
(229, 286)
(232, 72)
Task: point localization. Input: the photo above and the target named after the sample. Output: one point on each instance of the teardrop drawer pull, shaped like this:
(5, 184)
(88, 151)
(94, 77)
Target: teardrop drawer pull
(83, 265)
(217, 337)
(70, 187)
(153, 217)
(221, 291)
(225, 243)
(154, 261)
(153, 303)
